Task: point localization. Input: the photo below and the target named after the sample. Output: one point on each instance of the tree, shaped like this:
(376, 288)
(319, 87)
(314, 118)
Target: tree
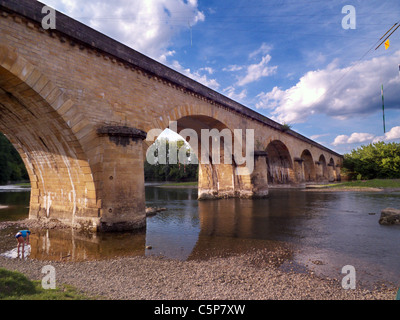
(164, 170)
(377, 160)
(12, 167)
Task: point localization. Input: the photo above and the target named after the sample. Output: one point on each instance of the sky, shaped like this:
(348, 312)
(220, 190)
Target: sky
(310, 64)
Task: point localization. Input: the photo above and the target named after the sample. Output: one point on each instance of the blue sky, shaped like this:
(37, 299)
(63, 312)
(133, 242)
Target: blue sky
(289, 60)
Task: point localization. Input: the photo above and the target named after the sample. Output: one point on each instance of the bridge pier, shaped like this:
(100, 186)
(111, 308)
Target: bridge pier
(120, 179)
(221, 181)
(259, 176)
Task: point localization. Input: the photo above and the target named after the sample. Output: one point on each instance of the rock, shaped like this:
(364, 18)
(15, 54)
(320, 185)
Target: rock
(390, 216)
(150, 211)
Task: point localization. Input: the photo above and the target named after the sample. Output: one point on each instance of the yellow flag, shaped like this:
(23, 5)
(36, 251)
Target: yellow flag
(387, 44)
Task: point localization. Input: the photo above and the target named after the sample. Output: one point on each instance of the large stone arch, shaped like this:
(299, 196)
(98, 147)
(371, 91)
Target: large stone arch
(62, 185)
(216, 180)
(280, 165)
(308, 166)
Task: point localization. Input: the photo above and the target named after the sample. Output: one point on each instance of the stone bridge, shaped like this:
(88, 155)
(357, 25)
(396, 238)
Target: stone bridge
(77, 105)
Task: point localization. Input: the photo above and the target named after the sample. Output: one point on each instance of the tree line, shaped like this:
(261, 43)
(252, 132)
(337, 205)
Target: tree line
(376, 160)
(12, 167)
(164, 170)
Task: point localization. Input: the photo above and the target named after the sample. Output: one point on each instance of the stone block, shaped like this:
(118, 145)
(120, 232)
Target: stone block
(390, 216)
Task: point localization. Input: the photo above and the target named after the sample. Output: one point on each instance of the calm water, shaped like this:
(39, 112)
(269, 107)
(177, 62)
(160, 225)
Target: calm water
(328, 230)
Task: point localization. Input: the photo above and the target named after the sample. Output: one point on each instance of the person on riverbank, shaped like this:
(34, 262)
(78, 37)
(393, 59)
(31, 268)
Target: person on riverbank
(22, 236)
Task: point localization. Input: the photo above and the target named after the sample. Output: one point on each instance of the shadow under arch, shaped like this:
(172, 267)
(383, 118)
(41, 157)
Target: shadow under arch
(31, 117)
(332, 174)
(308, 166)
(280, 165)
(322, 174)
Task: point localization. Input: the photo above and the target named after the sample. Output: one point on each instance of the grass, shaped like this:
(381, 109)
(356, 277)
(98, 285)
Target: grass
(16, 286)
(181, 184)
(374, 183)
(24, 184)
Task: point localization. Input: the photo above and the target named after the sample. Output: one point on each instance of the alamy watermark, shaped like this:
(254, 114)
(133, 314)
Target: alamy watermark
(49, 20)
(349, 20)
(49, 280)
(216, 147)
(349, 280)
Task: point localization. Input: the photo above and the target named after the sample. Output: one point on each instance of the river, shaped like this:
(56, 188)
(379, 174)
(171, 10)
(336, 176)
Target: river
(327, 230)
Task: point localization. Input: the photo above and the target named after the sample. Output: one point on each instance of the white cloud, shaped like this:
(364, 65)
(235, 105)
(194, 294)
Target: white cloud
(337, 92)
(263, 50)
(233, 68)
(230, 92)
(196, 75)
(317, 136)
(146, 26)
(207, 69)
(356, 137)
(393, 134)
(257, 71)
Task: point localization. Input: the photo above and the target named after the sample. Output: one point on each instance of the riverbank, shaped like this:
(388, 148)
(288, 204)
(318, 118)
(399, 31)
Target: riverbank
(257, 274)
(191, 184)
(250, 276)
(374, 185)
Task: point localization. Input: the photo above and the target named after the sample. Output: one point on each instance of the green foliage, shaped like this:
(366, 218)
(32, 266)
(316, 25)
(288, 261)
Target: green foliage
(16, 286)
(11, 166)
(286, 127)
(163, 170)
(377, 160)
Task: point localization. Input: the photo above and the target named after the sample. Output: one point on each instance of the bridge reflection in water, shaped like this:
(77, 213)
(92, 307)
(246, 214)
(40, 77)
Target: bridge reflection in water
(67, 245)
(189, 229)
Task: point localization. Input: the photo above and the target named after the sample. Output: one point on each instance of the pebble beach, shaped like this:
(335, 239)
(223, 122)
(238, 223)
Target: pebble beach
(253, 275)
(250, 276)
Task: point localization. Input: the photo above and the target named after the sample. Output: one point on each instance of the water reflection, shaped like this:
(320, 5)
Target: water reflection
(14, 203)
(67, 245)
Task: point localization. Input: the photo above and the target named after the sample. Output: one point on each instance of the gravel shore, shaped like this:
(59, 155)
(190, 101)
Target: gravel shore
(252, 275)
(244, 277)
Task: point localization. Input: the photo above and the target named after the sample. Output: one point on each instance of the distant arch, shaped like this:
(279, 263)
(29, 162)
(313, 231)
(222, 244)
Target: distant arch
(331, 170)
(308, 166)
(322, 174)
(280, 165)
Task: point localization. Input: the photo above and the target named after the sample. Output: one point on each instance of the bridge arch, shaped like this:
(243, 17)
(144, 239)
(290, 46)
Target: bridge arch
(280, 165)
(62, 185)
(332, 170)
(308, 166)
(322, 173)
(217, 179)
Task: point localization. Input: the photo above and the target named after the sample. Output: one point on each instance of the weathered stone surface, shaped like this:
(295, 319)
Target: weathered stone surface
(390, 216)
